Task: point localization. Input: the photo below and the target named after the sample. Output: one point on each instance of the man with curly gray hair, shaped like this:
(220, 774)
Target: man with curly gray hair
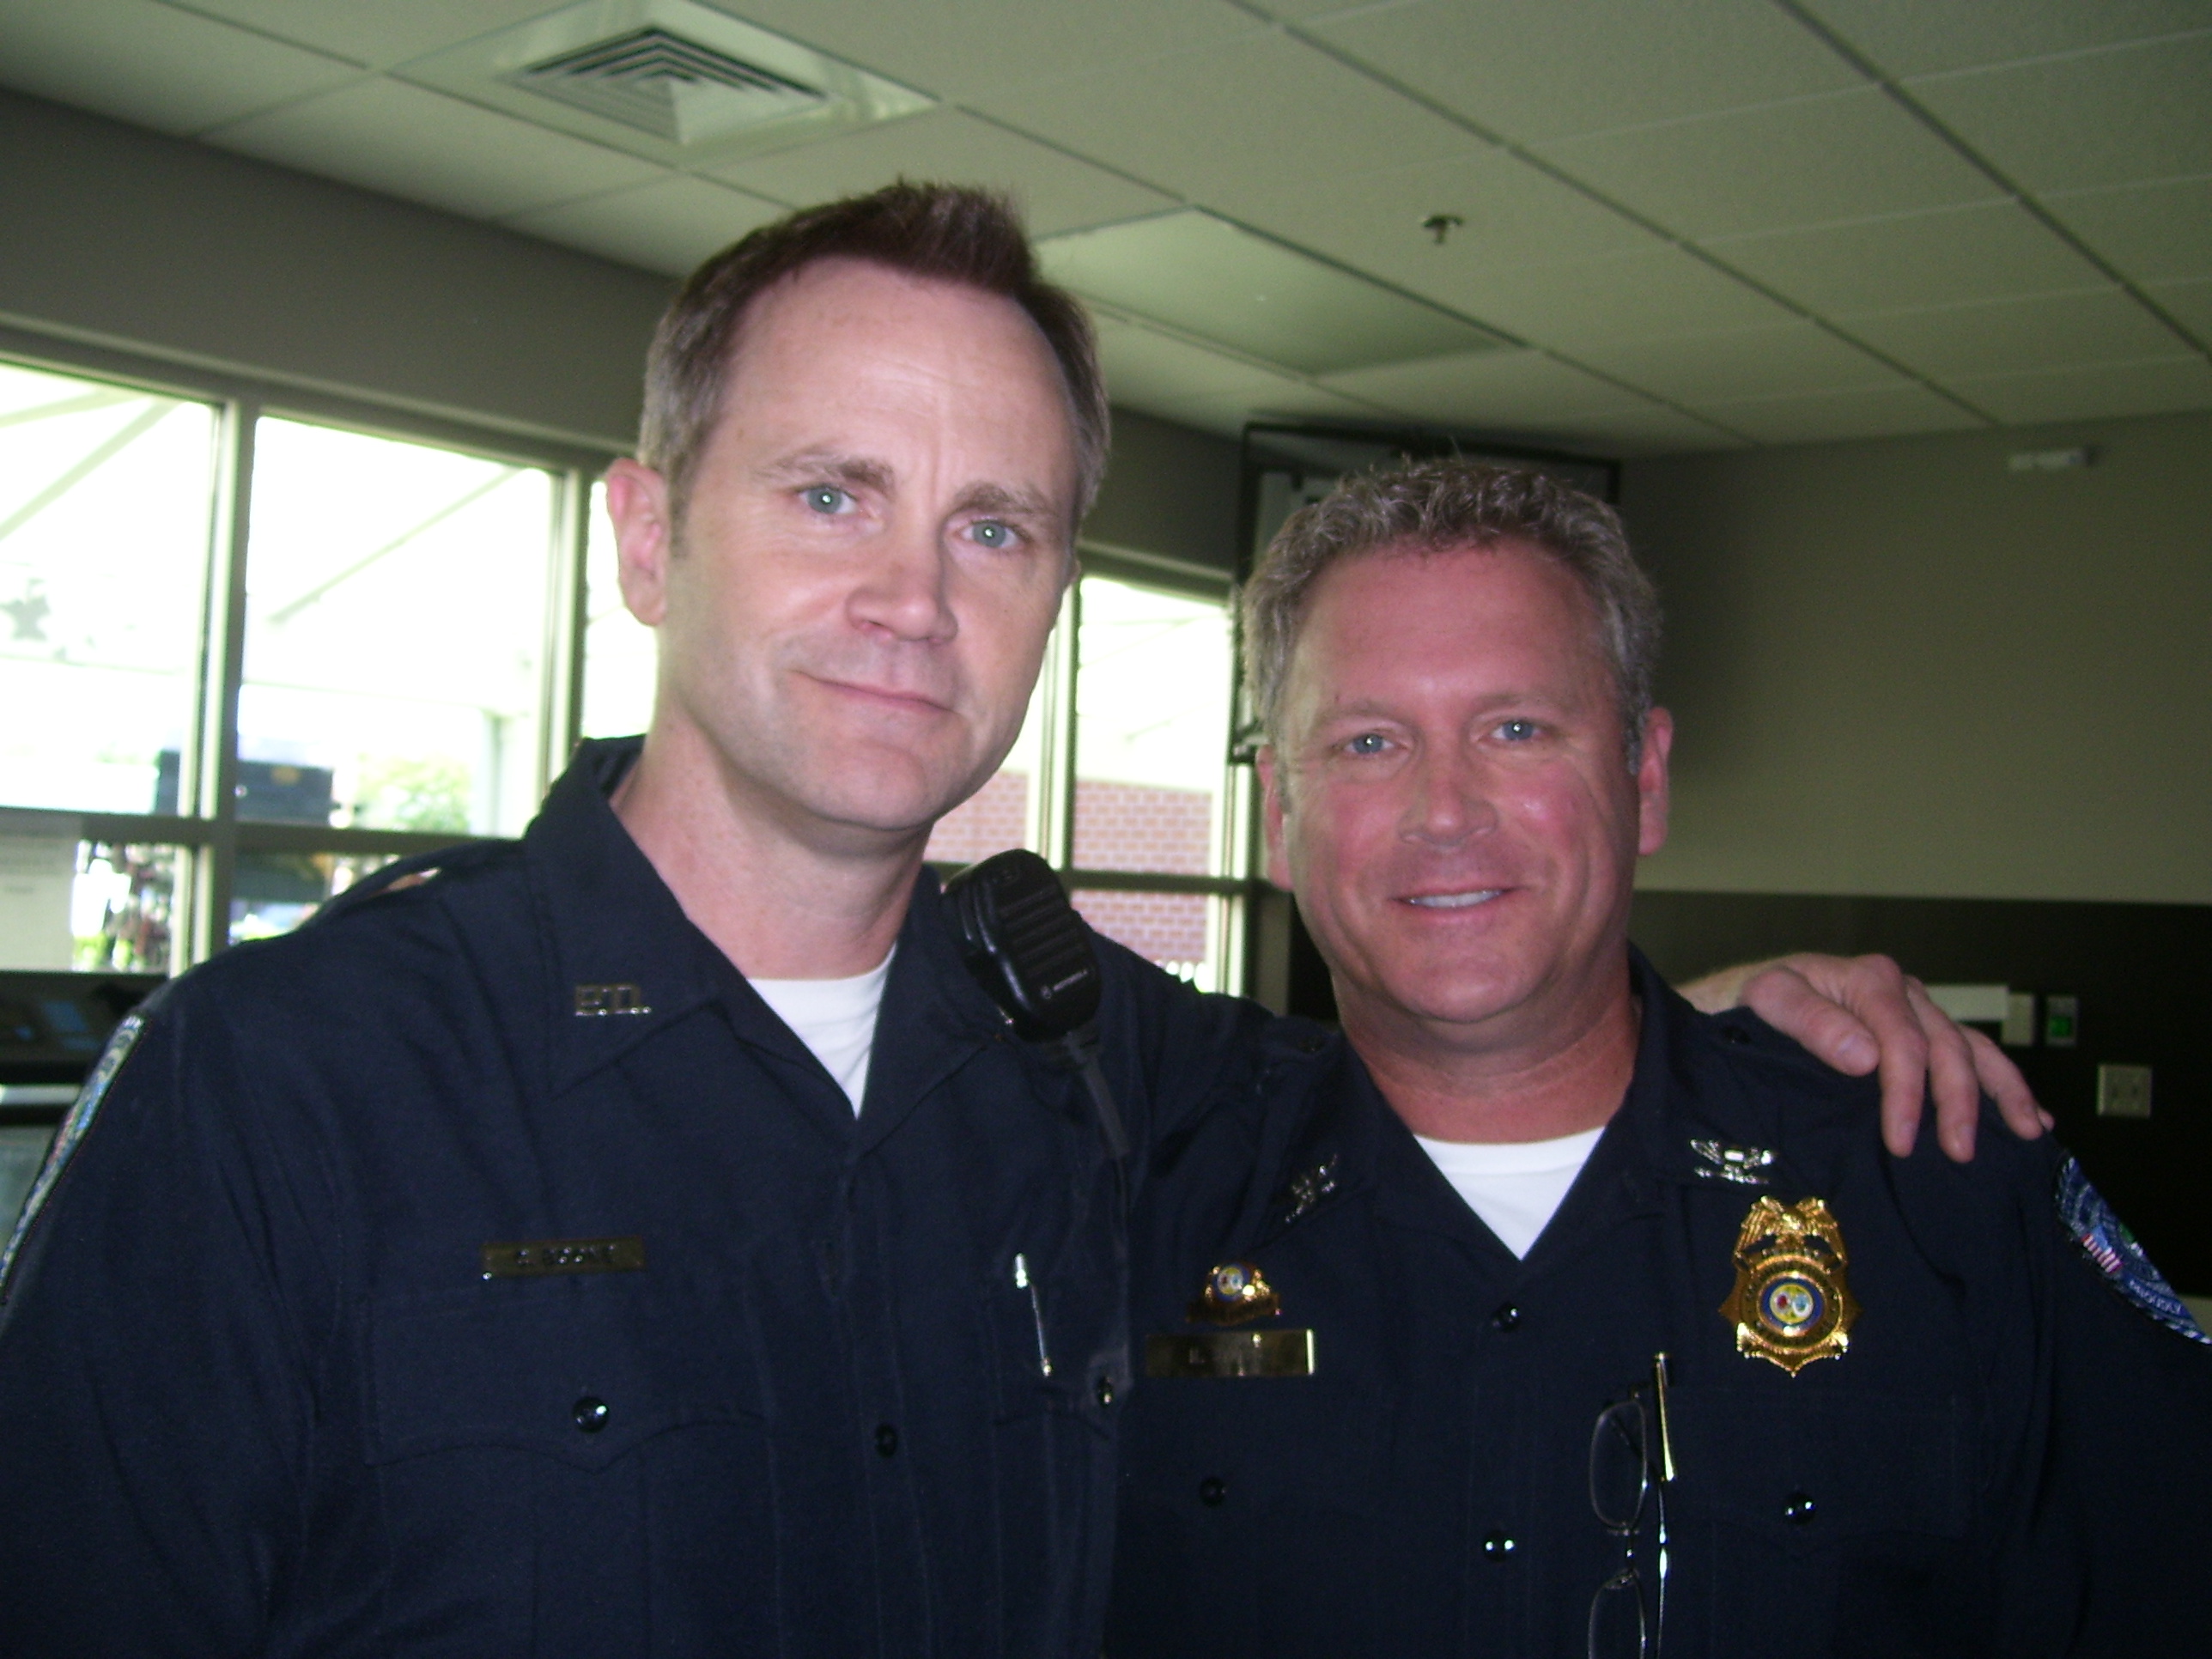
(1559, 1318)
(1445, 504)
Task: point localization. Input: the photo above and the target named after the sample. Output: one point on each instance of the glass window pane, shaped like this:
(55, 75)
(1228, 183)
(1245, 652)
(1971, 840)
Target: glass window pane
(1151, 709)
(618, 649)
(122, 906)
(997, 816)
(104, 519)
(92, 906)
(272, 893)
(395, 634)
(1178, 930)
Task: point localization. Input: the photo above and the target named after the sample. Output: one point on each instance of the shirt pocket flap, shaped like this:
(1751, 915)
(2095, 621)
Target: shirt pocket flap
(581, 1368)
(1820, 1469)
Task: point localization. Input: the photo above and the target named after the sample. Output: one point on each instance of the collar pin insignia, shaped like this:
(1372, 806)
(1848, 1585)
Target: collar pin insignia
(1791, 1304)
(1307, 1189)
(1235, 1294)
(593, 1001)
(1742, 1165)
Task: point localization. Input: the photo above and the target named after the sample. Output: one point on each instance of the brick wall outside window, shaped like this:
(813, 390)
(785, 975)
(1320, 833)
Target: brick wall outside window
(1168, 928)
(1118, 826)
(1126, 826)
(990, 821)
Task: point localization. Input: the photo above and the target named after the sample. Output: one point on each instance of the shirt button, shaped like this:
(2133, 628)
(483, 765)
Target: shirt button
(1213, 1491)
(1735, 1034)
(1507, 1318)
(1798, 1509)
(1498, 1546)
(886, 1440)
(1104, 1390)
(590, 1413)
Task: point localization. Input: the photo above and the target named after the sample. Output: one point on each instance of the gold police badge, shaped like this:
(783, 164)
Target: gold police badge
(1235, 1294)
(1791, 1303)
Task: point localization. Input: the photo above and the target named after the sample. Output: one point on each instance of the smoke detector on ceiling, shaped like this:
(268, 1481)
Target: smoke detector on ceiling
(669, 80)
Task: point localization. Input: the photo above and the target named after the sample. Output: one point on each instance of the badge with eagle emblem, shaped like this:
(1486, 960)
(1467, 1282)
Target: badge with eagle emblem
(1791, 1304)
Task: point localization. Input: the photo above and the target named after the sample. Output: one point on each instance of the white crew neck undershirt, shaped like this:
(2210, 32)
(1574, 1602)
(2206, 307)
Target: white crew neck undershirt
(836, 1018)
(1513, 1186)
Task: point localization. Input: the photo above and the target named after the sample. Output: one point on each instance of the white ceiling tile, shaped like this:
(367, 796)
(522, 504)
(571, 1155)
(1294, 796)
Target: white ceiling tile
(1514, 216)
(151, 65)
(962, 49)
(1920, 37)
(1204, 277)
(1499, 388)
(670, 225)
(1991, 250)
(378, 33)
(2050, 331)
(1647, 430)
(1659, 291)
(2151, 232)
(1308, 10)
(2096, 390)
(425, 147)
(1227, 413)
(1855, 154)
(1755, 362)
(2188, 303)
(1060, 192)
(1211, 125)
(1883, 411)
(1571, 66)
(2106, 118)
(1145, 367)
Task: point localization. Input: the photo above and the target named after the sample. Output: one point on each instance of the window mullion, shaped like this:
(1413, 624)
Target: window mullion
(561, 706)
(1052, 807)
(210, 785)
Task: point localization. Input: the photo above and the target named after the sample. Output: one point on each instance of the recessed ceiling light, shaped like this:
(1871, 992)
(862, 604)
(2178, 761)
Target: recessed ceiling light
(669, 80)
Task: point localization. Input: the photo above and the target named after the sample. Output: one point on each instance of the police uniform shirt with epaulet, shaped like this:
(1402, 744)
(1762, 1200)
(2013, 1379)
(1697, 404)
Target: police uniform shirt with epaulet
(485, 1270)
(1929, 1420)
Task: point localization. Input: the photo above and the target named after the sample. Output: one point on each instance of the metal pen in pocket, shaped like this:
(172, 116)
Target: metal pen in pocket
(1022, 1282)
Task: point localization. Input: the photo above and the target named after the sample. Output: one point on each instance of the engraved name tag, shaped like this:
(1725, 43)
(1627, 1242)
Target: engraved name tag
(1230, 1353)
(597, 1000)
(532, 1257)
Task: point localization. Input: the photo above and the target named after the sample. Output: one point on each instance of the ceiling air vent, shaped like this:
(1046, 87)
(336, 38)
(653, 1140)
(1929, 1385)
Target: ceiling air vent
(674, 89)
(677, 82)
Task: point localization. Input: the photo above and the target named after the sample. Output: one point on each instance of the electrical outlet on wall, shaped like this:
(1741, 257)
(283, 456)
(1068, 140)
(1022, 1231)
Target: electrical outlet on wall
(2123, 1091)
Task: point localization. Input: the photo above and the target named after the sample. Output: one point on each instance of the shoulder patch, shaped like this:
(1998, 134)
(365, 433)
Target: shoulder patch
(75, 1124)
(2103, 1238)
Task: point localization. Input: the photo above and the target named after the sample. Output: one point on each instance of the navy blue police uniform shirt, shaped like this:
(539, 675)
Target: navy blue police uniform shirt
(2007, 1458)
(485, 1270)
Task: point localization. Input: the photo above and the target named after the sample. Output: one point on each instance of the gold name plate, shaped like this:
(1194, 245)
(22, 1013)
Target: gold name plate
(1230, 1353)
(563, 1255)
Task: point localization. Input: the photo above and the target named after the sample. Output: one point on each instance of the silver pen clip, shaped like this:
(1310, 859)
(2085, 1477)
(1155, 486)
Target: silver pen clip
(1022, 1282)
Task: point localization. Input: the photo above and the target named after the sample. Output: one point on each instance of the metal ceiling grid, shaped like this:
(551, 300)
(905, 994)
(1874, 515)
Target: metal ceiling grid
(1693, 226)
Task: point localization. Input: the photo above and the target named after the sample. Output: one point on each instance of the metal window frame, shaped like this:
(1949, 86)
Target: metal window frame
(210, 835)
(1231, 892)
(212, 838)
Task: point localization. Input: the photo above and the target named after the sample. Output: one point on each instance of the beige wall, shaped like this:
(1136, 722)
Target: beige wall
(130, 239)
(1900, 668)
